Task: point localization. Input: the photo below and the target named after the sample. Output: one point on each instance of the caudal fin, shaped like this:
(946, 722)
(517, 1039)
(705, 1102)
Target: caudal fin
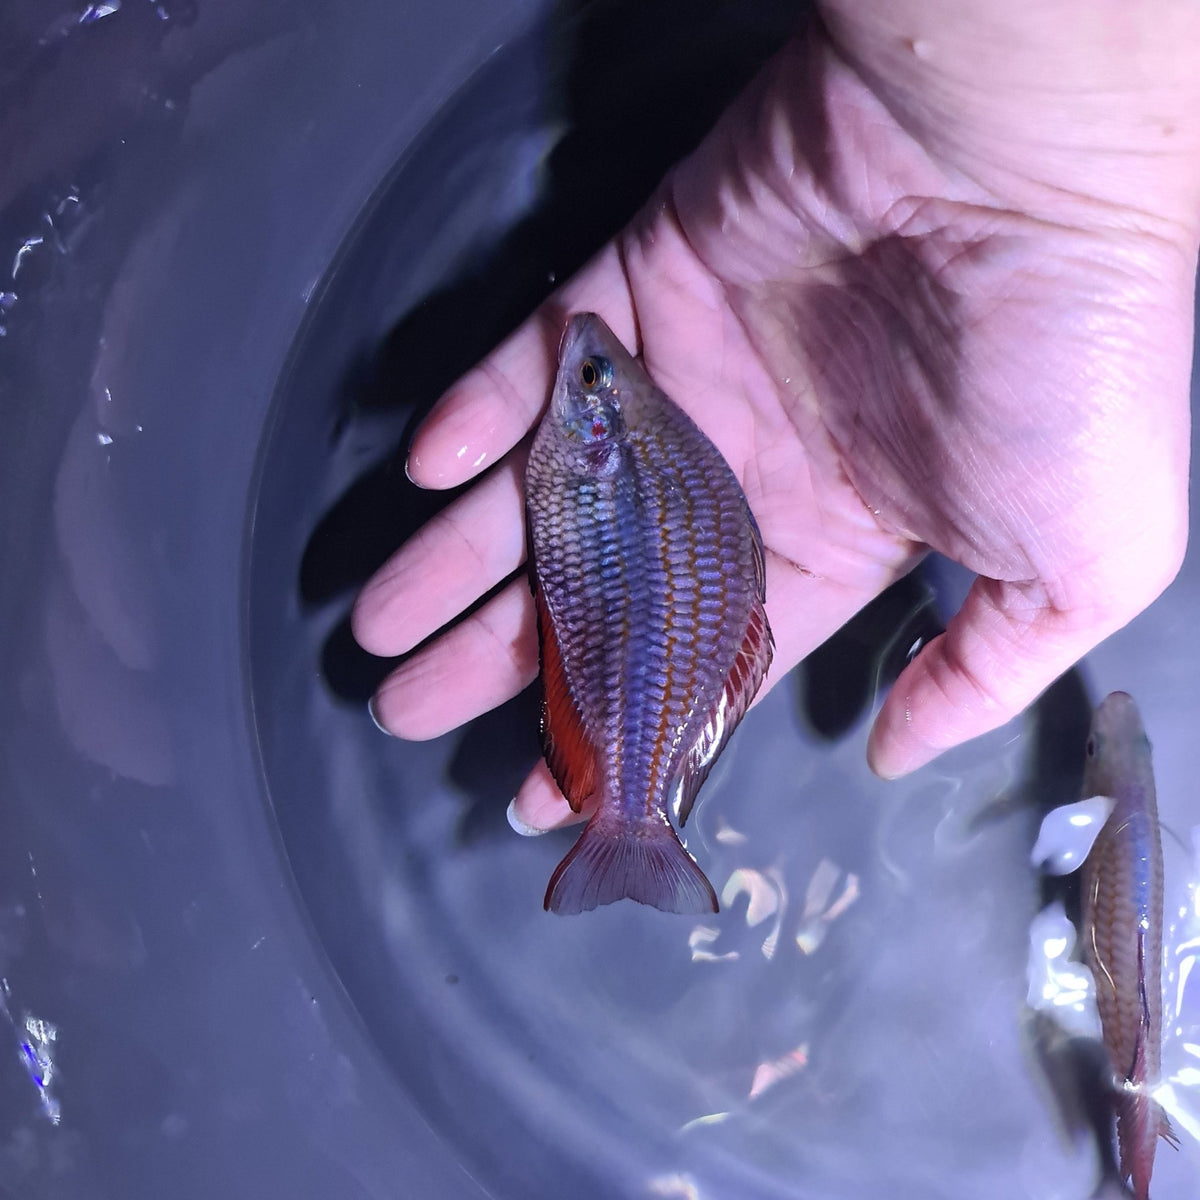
(1140, 1123)
(615, 861)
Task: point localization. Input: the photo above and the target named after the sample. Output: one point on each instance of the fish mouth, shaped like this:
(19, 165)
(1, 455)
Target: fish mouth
(586, 335)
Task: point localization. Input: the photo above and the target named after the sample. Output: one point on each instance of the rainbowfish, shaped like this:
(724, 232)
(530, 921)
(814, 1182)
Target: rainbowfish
(1122, 928)
(648, 578)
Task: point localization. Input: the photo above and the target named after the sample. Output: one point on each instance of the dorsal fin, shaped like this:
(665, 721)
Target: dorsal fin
(569, 752)
(741, 684)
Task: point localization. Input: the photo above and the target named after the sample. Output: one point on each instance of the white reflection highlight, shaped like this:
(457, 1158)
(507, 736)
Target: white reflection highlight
(708, 1119)
(768, 898)
(1185, 972)
(819, 912)
(727, 835)
(1068, 834)
(768, 1074)
(1056, 984)
(701, 938)
(35, 1038)
(764, 893)
(681, 1186)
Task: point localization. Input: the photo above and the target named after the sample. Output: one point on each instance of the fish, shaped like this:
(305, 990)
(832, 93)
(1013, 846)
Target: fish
(649, 583)
(1122, 885)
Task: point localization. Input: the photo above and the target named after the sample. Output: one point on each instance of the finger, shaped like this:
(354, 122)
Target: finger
(999, 652)
(468, 548)
(539, 806)
(493, 406)
(477, 665)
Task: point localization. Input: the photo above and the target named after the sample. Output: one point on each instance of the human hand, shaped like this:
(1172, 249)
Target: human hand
(927, 284)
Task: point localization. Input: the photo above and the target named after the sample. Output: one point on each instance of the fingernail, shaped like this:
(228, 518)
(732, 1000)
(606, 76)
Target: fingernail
(890, 759)
(885, 769)
(375, 717)
(518, 825)
(408, 473)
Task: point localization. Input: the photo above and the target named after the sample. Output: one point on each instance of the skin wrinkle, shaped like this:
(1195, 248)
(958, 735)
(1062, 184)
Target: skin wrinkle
(919, 127)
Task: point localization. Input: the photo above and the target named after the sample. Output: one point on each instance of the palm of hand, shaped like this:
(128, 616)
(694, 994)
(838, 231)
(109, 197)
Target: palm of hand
(891, 357)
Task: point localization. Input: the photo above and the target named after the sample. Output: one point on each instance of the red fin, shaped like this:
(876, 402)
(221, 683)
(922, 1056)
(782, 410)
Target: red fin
(1166, 1132)
(1140, 1123)
(645, 862)
(565, 743)
(741, 685)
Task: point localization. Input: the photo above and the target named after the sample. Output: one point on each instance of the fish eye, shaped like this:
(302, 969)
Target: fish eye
(595, 373)
(1091, 747)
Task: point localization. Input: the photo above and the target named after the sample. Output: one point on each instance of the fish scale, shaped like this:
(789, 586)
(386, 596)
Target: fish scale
(647, 571)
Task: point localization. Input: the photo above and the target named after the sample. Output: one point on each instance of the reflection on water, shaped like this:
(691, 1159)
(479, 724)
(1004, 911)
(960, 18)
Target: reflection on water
(767, 894)
(1058, 982)
(767, 1074)
(821, 909)
(1179, 1094)
(36, 1045)
(701, 938)
(680, 1187)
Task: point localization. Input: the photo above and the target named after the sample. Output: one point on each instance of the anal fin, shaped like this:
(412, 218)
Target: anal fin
(741, 685)
(569, 752)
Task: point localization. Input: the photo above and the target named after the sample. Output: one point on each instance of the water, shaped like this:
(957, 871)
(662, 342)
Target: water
(854, 1021)
(217, 995)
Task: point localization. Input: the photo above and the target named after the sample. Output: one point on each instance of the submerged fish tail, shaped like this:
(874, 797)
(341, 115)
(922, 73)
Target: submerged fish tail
(1140, 1123)
(616, 860)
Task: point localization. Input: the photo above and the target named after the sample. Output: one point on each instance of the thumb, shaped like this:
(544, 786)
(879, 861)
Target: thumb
(1004, 647)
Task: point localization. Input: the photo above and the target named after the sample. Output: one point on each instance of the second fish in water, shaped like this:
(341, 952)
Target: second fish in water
(1122, 923)
(647, 571)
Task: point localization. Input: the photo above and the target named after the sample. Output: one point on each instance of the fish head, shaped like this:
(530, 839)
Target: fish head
(589, 390)
(1118, 749)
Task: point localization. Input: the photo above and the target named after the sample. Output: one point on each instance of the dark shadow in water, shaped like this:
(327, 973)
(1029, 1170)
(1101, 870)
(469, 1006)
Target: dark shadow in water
(839, 679)
(494, 754)
(1078, 1074)
(637, 87)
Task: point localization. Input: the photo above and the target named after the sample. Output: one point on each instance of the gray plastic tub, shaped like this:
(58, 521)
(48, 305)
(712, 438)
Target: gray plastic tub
(249, 946)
